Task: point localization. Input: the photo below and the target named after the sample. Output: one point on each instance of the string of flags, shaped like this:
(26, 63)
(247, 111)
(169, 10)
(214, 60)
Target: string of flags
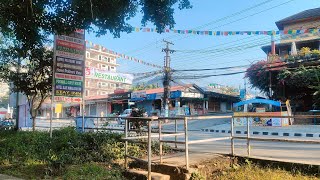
(120, 55)
(227, 33)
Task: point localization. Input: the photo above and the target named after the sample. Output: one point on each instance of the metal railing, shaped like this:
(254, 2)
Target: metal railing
(160, 135)
(249, 138)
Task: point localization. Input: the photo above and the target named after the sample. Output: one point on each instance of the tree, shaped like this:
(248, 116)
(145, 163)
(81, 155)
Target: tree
(32, 21)
(35, 78)
(28, 24)
(299, 84)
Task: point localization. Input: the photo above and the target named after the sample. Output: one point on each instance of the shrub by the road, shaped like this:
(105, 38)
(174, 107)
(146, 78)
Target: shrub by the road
(66, 148)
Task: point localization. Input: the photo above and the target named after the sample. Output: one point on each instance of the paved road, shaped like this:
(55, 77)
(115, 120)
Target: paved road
(284, 151)
(294, 152)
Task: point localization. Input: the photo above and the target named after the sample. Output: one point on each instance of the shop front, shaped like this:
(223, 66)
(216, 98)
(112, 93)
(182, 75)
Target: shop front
(119, 102)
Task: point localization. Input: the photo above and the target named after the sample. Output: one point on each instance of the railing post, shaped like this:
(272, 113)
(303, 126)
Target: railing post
(98, 124)
(149, 150)
(248, 136)
(175, 131)
(186, 141)
(126, 144)
(160, 143)
(232, 140)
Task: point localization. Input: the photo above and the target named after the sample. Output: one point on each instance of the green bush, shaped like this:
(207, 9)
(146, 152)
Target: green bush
(92, 171)
(67, 147)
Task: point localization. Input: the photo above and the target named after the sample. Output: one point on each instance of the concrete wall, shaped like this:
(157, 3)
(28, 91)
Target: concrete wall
(301, 25)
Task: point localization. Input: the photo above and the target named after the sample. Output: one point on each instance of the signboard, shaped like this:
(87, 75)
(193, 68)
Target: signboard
(191, 95)
(260, 110)
(109, 76)
(138, 94)
(69, 63)
(58, 108)
(121, 96)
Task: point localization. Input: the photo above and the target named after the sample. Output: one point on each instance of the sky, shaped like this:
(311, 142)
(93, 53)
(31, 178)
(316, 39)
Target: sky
(206, 15)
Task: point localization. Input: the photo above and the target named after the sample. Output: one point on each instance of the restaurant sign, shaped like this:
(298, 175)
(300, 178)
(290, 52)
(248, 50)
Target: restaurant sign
(109, 76)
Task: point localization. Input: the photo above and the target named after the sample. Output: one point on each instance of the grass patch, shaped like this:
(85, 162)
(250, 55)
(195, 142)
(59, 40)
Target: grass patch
(32, 171)
(92, 171)
(224, 168)
(253, 172)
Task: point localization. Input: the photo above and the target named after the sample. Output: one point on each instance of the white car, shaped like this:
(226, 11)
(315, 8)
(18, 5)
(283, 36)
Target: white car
(126, 113)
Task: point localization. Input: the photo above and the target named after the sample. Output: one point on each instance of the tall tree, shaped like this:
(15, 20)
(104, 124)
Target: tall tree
(35, 77)
(28, 25)
(32, 20)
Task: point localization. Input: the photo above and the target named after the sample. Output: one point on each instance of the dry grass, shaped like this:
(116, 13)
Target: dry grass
(247, 172)
(222, 169)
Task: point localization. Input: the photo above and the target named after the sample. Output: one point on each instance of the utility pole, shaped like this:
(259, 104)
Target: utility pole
(17, 97)
(167, 77)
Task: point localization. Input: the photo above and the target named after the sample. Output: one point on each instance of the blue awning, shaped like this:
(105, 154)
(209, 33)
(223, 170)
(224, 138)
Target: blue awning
(261, 101)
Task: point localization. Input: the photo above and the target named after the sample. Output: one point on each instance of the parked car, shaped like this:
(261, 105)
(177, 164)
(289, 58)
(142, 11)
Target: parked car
(125, 113)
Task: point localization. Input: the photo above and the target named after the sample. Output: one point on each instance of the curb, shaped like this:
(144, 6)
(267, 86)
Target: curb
(265, 133)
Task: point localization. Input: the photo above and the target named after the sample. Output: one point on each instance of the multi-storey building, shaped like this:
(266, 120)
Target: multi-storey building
(102, 61)
(306, 20)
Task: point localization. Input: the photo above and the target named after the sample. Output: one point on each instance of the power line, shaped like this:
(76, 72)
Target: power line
(210, 69)
(210, 23)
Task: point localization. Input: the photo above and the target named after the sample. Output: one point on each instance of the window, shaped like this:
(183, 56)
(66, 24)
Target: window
(100, 57)
(88, 55)
(103, 84)
(87, 92)
(103, 66)
(103, 93)
(93, 109)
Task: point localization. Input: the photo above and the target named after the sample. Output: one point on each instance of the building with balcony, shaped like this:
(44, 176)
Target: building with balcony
(104, 62)
(308, 20)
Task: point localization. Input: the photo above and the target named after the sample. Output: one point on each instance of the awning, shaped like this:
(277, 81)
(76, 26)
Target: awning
(261, 101)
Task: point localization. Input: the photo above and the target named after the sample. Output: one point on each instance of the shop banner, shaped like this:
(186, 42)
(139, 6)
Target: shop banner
(109, 76)
(69, 67)
(138, 94)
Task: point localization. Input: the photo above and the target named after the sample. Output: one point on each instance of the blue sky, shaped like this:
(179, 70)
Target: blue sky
(147, 46)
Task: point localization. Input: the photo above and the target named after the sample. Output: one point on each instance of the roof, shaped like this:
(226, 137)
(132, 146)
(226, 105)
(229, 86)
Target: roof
(301, 16)
(222, 96)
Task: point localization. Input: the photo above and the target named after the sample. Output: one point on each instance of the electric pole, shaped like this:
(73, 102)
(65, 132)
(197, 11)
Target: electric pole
(167, 77)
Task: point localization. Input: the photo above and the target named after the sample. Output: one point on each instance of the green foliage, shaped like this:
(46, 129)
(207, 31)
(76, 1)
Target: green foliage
(67, 147)
(92, 171)
(116, 150)
(299, 82)
(259, 76)
(304, 51)
(35, 77)
(30, 22)
(196, 176)
(304, 80)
